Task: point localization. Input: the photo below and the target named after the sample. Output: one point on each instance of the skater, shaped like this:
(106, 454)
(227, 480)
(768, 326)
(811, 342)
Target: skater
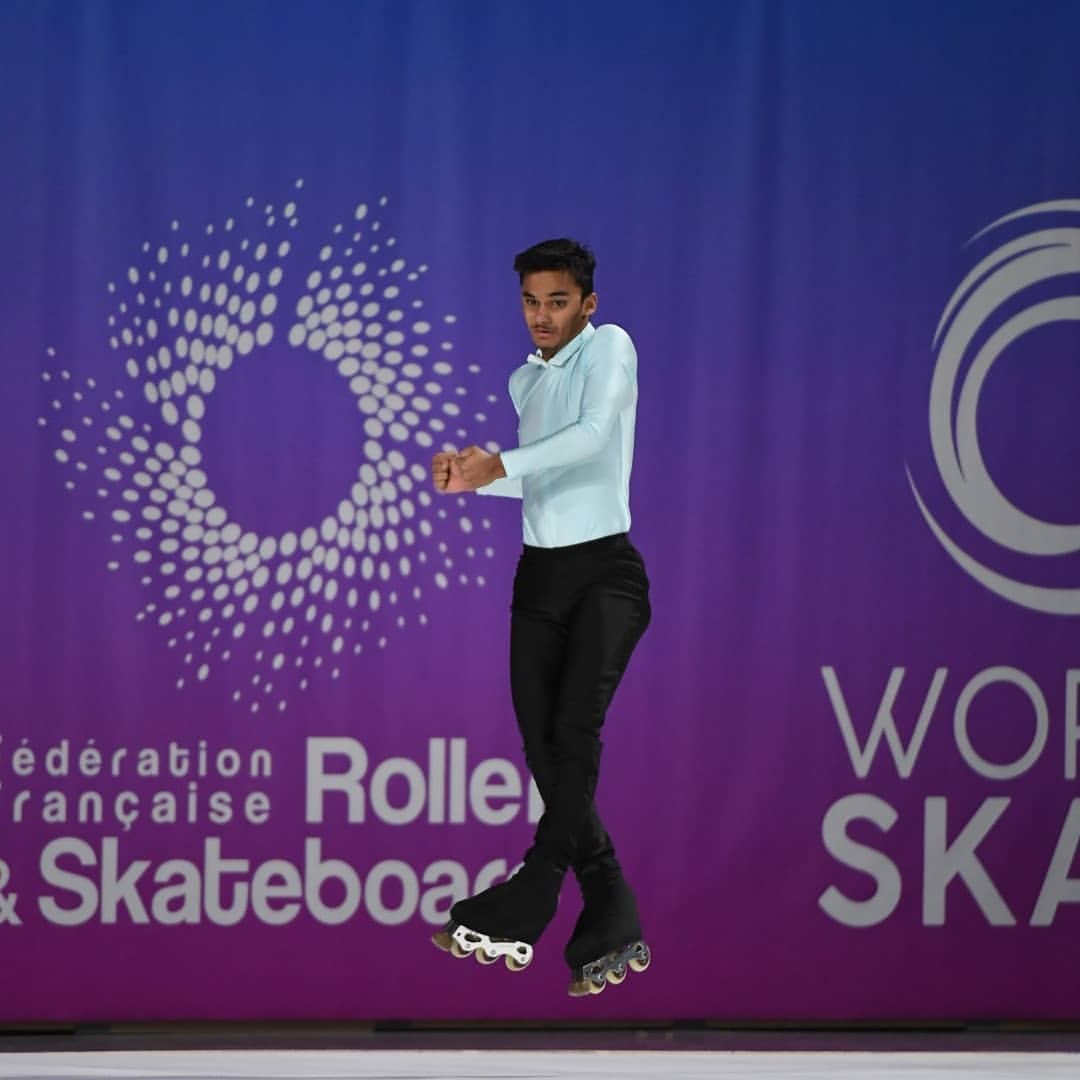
(580, 605)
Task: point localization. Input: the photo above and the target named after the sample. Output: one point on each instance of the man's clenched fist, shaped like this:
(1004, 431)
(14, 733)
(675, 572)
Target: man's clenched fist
(478, 467)
(467, 471)
(446, 475)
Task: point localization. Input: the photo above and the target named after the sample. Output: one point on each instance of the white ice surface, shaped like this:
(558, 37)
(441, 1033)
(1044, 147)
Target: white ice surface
(533, 1065)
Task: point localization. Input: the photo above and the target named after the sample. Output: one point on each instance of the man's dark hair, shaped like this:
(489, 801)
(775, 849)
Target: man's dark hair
(561, 254)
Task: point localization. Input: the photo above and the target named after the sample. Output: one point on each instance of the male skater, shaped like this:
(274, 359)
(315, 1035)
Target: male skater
(580, 604)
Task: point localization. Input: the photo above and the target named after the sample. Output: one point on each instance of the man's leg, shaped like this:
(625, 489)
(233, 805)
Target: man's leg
(537, 660)
(605, 625)
(520, 909)
(594, 586)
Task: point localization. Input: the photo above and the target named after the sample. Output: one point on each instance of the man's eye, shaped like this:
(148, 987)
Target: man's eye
(560, 303)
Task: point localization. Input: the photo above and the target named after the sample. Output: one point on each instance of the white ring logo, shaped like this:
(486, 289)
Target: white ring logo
(1033, 259)
(290, 603)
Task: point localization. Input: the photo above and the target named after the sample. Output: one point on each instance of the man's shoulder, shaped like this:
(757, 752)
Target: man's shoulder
(612, 340)
(519, 382)
(521, 374)
(612, 334)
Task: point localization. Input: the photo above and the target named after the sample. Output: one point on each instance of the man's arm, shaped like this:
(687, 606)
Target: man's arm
(484, 472)
(488, 476)
(506, 486)
(610, 387)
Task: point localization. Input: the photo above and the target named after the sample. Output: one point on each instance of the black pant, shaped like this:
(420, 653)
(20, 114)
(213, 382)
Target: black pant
(577, 613)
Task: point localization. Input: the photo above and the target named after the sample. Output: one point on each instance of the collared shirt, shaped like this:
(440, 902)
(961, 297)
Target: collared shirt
(576, 439)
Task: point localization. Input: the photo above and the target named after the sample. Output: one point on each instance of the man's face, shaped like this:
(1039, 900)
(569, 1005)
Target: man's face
(555, 310)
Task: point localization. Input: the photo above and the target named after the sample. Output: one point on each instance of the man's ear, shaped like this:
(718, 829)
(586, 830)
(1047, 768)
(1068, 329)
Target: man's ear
(590, 304)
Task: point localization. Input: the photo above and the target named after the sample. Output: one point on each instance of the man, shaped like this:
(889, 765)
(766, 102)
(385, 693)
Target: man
(580, 605)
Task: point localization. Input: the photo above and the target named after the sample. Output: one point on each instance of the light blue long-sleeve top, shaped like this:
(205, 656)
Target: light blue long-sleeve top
(576, 439)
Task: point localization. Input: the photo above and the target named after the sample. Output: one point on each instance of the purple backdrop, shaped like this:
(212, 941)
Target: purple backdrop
(256, 731)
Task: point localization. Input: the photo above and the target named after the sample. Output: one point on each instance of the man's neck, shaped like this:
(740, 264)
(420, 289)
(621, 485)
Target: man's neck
(547, 354)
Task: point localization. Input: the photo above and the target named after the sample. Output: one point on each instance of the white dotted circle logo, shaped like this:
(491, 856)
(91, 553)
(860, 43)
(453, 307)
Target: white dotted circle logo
(292, 604)
(967, 337)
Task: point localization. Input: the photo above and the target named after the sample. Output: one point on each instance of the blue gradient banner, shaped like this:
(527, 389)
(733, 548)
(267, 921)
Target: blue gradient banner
(256, 732)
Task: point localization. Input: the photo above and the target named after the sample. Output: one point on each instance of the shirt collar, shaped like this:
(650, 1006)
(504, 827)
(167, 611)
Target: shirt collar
(567, 352)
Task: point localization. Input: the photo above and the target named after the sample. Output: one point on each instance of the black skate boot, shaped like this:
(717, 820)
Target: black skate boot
(607, 941)
(505, 920)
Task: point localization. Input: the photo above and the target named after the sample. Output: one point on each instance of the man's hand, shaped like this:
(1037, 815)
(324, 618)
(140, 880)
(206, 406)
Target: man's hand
(446, 474)
(477, 467)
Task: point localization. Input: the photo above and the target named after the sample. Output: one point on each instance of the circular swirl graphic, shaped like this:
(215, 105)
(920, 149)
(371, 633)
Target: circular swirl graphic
(187, 315)
(1037, 258)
